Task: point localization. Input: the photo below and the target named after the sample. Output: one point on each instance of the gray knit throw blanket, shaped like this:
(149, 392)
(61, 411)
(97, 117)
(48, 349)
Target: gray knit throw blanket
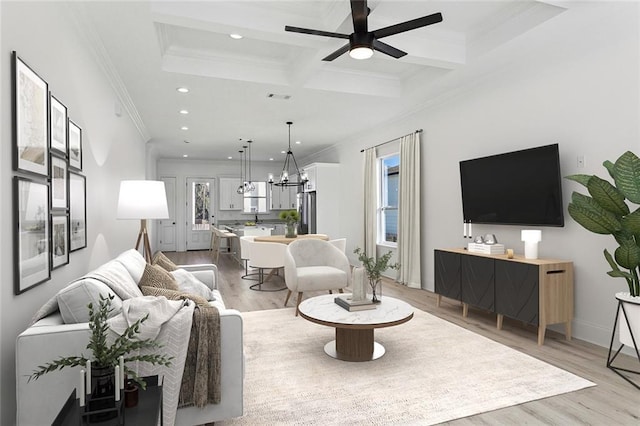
(201, 376)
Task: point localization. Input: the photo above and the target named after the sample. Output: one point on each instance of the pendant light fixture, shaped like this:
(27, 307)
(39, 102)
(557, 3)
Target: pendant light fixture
(290, 169)
(240, 189)
(246, 184)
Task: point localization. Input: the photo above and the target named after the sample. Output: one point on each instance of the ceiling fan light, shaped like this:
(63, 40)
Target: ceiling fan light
(361, 52)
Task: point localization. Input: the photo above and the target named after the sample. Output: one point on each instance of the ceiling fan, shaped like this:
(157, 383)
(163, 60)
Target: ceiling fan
(363, 42)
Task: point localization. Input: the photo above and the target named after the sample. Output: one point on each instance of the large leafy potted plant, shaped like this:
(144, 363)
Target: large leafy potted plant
(106, 356)
(291, 218)
(374, 267)
(607, 211)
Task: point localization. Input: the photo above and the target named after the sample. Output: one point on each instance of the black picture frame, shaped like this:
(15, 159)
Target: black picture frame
(59, 239)
(75, 146)
(32, 261)
(30, 110)
(59, 182)
(58, 126)
(77, 212)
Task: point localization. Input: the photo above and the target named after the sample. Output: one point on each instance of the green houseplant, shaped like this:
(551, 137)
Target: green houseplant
(106, 356)
(291, 218)
(606, 210)
(374, 267)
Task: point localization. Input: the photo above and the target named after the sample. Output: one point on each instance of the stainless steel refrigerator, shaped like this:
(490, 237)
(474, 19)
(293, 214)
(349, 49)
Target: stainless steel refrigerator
(307, 210)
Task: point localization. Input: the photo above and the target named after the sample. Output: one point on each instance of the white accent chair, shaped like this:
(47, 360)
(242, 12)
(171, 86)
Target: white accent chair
(315, 265)
(245, 255)
(266, 256)
(341, 243)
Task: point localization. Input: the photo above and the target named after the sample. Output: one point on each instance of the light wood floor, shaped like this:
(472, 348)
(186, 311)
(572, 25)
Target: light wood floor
(612, 402)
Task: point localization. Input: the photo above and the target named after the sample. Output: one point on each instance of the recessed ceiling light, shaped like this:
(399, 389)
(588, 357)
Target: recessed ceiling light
(184, 128)
(298, 142)
(283, 152)
(185, 155)
(229, 158)
(270, 159)
(235, 36)
(184, 111)
(182, 90)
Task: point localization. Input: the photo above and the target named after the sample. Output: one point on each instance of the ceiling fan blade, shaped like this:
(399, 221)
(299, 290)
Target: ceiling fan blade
(344, 49)
(389, 50)
(315, 32)
(408, 25)
(359, 12)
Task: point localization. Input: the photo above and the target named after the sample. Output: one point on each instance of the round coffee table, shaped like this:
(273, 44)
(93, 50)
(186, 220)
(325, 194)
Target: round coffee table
(354, 330)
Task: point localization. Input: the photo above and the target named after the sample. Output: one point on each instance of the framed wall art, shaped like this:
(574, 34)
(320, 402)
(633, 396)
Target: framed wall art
(75, 146)
(58, 126)
(59, 239)
(30, 114)
(31, 239)
(77, 212)
(59, 184)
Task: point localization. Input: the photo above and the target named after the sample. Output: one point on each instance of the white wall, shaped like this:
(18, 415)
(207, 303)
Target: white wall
(47, 39)
(577, 87)
(181, 169)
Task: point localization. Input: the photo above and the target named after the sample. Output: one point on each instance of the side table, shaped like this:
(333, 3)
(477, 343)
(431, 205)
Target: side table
(147, 413)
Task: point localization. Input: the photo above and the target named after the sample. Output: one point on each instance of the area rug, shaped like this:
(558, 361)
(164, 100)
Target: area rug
(433, 371)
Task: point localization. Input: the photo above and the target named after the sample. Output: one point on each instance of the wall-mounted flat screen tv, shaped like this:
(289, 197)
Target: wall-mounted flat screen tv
(514, 188)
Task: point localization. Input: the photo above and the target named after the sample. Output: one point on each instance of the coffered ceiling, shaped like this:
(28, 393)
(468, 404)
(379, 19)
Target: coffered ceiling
(248, 88)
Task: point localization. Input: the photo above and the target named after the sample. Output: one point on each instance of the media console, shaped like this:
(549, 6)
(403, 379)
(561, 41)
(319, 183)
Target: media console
(535, 291)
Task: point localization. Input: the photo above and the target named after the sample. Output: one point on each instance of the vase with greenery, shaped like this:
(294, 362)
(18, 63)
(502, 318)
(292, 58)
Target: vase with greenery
(611, 209)
(374, 267)
(291, 218)
(106, 356)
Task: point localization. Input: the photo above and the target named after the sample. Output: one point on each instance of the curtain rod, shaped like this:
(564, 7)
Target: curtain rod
(392, 140)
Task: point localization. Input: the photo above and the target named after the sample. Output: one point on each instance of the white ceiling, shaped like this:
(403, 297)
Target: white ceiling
(156, 47)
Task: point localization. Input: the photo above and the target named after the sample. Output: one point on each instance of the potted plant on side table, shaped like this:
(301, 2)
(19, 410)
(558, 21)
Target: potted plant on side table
(606, 211)
(374, 267)
(106, 356)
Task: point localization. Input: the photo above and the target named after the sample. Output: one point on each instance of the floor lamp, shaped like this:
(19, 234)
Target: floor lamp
(142, 199)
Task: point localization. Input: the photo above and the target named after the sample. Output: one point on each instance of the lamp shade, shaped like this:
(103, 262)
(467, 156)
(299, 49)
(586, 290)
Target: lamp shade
(531, 235)
(142, 199)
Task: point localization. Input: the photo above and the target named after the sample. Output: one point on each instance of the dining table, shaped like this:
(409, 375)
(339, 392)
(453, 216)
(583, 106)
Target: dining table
(286, 240)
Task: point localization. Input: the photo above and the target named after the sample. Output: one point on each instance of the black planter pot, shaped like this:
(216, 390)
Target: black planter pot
(102, 393)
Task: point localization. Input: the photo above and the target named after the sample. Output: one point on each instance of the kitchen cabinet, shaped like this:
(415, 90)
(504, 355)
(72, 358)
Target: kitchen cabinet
(283, 197)
(535, 291)
(229, 197)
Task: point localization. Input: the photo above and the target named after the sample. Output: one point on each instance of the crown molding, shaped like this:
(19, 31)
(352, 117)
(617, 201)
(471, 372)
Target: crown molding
(82, 22)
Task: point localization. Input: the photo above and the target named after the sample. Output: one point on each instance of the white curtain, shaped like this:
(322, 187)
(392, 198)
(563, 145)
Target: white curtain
(409, 211)
(370, 202)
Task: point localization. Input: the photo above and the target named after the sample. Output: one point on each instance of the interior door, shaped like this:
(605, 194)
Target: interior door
(167, 227)
(199, 214)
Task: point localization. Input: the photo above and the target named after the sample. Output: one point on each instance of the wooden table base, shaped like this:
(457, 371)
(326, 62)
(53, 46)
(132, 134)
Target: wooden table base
(354, 345)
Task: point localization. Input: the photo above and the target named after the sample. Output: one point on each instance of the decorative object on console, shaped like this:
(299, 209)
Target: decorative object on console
(291, 217)
(605, 211)
(287, 170)
(485, 248)
(479, 239)
(490, 239)
(531, 238)
(142, 199)
(375, 267)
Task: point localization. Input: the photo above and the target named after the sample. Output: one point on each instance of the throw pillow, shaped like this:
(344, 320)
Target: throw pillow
(73, 300)
(160, 259)
(172, 294)
(188, 283)
(155, 276)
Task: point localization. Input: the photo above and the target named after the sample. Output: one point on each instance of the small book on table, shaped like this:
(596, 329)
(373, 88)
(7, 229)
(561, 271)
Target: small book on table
(352, 306)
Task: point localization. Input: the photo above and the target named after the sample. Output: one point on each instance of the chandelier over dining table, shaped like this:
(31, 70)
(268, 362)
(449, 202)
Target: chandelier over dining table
(291, 175)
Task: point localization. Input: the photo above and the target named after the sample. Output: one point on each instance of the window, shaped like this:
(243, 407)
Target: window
(388, 200)
(200, 202)
(256, 200)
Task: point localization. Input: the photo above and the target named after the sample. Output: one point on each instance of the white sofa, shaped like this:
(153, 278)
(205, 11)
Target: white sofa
(39, 401)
